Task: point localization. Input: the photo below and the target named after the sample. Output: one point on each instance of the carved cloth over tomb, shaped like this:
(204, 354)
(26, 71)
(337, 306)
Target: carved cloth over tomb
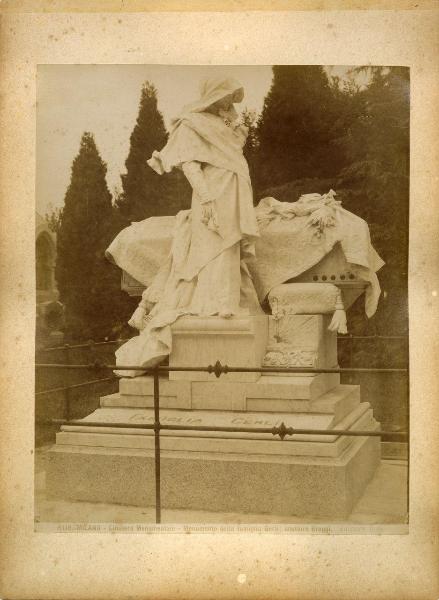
(293, 238)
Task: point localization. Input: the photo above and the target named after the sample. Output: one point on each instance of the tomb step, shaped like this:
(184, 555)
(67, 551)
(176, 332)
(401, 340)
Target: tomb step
(211, 396)
(229, 395)
(133, 416)
(194, 443)
(338, 402)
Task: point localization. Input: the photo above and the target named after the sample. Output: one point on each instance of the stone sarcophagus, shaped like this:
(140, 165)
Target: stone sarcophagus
(333, 268)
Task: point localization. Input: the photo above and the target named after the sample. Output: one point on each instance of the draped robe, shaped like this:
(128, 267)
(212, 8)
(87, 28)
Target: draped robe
(205, 273)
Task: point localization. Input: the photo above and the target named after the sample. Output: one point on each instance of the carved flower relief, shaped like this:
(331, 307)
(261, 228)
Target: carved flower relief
(280, 355)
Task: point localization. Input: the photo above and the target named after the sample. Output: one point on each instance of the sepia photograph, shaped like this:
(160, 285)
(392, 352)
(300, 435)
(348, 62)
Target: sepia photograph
(222, 326)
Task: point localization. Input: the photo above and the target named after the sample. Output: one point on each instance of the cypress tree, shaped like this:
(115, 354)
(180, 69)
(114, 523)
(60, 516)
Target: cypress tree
(295, 129)
(144, 192)
(378, 179)
(87, 282)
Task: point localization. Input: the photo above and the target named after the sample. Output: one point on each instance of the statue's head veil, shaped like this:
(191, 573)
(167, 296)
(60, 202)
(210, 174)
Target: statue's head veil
(198, 136)
(211, 90)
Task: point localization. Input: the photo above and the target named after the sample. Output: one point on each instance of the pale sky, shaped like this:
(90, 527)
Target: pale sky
(104, 99)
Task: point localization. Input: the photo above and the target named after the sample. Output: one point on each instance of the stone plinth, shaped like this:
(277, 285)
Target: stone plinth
(240, 342)
(302, 486)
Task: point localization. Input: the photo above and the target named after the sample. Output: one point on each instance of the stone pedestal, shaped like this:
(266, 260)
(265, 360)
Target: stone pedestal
(315, 475)
(239, 342)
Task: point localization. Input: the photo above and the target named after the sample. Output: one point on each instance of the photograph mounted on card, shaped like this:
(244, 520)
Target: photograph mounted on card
(221, 274)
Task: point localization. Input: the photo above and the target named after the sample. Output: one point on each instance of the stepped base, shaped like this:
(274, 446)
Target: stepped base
(227, 471)
(303, 474)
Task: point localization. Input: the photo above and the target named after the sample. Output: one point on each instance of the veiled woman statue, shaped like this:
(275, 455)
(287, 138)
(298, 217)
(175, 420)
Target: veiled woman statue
(206, 272)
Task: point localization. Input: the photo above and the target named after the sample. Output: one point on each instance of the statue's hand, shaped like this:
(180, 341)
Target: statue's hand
(140, 316)
(207, 209)
(321, 218)
(208, 215)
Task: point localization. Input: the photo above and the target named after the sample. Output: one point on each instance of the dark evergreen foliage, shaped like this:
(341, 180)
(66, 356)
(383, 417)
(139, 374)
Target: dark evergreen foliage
(376, 184)
(296, 128)
(145, 193)
(89, 285)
